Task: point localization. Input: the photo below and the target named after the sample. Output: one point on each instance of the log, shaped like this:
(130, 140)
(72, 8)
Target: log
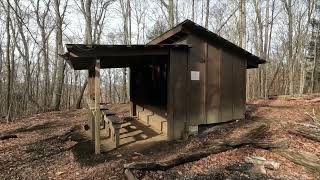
(303, 158)
(253, 137)
(309, 133)
(9, 136)
(315, 100)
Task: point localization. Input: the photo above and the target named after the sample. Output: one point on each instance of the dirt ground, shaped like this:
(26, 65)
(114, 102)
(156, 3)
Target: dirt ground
(54, 145)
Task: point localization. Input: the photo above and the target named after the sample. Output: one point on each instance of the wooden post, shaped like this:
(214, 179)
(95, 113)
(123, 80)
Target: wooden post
(97, 107)
(133, 108)
(90, 100)
(91, 85)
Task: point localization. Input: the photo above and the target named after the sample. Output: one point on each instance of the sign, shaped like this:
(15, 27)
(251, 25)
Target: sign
(195, 75)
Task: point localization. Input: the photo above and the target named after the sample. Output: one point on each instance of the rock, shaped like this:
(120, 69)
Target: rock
(59, 173)
(119, 155)
(113, 165)
(136, 153)
(256, 160)
(135, 157)
(258, 169)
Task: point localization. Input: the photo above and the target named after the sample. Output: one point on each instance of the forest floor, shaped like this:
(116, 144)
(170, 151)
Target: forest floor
(54, 145)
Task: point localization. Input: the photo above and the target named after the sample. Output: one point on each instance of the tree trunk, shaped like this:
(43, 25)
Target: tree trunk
(88, 19)
(8, 98)
(78, 103)
(41, 22)
(57, 92)
(206, 24)
(124, 85)
(170, 9)
(265, 51)
(242, 38)
(110, 86)
(314, 78)
(192, 10)
(171, 13)
(291, 60)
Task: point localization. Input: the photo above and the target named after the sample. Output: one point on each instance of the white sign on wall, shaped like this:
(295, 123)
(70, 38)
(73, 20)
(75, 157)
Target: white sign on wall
(195, 75)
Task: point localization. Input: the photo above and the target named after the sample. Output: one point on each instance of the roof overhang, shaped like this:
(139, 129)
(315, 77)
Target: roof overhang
(80, 56)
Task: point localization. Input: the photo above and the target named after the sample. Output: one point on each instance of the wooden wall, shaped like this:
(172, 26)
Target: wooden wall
(219, 94)
(213, 92)
(197, 98)
(177, 93)
(232, 87)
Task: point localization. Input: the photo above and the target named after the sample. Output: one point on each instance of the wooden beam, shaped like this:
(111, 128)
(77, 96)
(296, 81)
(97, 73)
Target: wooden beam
(97, 107)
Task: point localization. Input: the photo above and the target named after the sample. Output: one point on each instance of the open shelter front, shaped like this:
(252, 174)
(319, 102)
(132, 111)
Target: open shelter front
(158, 82)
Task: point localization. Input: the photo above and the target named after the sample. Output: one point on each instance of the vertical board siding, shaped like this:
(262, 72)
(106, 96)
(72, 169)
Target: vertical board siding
(197, 97)
(227, 88)
(239, 86)
(177, 94)
(213, 85)
(232, 87)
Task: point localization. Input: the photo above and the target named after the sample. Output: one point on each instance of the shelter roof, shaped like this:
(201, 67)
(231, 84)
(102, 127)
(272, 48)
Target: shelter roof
(81, 56)
(189, 27)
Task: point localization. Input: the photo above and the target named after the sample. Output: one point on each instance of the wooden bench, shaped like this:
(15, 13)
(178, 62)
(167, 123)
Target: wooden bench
(113, 125)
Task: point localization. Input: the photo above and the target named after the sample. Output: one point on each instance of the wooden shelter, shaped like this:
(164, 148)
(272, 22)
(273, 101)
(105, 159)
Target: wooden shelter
(184, 78)
(218, 92)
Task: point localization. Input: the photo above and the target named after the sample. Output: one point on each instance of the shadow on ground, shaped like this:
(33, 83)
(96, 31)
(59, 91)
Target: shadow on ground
(134, 137)
(39, 127)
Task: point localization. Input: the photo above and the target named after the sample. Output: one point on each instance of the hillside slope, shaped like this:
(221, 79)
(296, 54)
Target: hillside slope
(54, 145)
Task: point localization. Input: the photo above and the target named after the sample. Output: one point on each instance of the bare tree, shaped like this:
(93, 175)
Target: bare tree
(170, 10)
(207, 14)
(86, 11)
(57, 92)
(126, 16)
(192, 10)
(8, 62)
(291, 60)
(242, 34)
(41, 18)
(100, 9)
(140, 9)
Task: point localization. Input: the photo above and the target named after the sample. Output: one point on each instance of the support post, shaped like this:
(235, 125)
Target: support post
(97, 107)
(133, 108)
(90, 100)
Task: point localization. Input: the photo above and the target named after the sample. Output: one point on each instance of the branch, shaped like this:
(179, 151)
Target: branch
(164, 4)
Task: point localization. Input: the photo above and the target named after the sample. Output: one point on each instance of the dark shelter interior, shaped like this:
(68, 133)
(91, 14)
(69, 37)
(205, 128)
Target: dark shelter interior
(148, 66)
(148, 87)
